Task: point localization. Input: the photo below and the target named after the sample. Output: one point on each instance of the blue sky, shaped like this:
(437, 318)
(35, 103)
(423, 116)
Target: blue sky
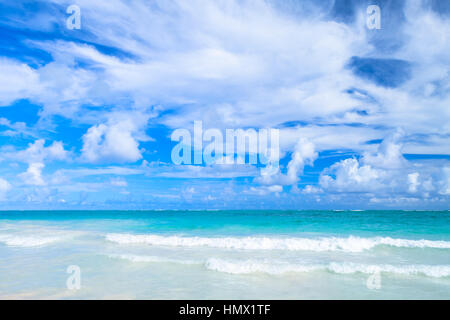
(86, 115)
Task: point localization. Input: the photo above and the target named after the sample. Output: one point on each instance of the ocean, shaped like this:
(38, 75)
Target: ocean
(225, 254)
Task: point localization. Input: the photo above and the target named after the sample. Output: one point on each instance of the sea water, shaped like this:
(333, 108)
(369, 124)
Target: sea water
(225, 254)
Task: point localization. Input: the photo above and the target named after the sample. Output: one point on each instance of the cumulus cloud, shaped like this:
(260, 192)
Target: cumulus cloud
(110, 143)
(385, 172)
(351, 176)
(413, 180)
(389, 154)
(372, 172)
(38, 152)
(114, 141)
(33, 175)
(36, 155)
(304, 154)
(17, 81)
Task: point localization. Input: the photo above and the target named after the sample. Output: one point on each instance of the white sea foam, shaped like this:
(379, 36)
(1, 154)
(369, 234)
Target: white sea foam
(145, 258)
(435, 271)
(278, 268)
(350, 244)
(27, 241)
(252, 266)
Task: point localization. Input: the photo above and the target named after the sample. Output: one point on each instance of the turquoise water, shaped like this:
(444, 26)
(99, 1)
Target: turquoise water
(226, 254)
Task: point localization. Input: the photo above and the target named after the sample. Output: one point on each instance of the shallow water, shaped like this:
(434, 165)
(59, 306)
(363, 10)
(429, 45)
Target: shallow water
(226, 254)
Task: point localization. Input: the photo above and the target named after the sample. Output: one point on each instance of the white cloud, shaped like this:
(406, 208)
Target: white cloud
(5, 186)
(36, 155)
(215, 171)
(234, 53)
(38, 152)
(264, 190)
(309, 189)
(413, 179)
(17, 81)
(110, 170)
(371, 172)
(243, 64)
(389, 154)
(386, 172)
(33, 175)
(118, 182)
(115, 141)
(304, 154)
(16, 128)
(445, 182)
(350, 176)
(235, 63)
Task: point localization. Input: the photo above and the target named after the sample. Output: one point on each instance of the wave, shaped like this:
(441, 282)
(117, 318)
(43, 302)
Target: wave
(27, 241)
(435, 271)
(247, 267)
(141, 258)
(350, 244)
(278, 268)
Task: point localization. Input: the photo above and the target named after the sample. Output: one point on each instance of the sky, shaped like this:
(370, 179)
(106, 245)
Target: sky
(86, 115)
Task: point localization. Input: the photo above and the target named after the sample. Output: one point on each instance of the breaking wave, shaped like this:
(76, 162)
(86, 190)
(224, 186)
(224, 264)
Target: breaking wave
(279, 268)
(141, 258)
(350, 244)
(27, 241)
(247, 267)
